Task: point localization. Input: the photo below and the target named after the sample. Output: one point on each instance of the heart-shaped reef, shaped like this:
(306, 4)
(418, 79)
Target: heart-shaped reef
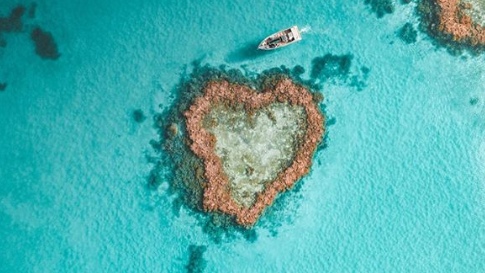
(254, 145)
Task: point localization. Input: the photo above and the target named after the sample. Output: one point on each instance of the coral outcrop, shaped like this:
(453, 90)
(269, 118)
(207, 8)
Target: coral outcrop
(286, 100)
(450, 21)
(456, 22)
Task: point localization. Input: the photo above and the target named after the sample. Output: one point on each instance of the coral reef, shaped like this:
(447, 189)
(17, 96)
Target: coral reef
(449, 22)
(217, 194)
(3, 86)
(454, 21)
(178, 173)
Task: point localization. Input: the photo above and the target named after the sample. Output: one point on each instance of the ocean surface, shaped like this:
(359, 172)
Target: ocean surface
(400, 186)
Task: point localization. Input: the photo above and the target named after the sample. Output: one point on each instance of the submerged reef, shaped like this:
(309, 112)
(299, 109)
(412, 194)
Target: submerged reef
(3, 86)
(253, 145)
(473, 101)
(408, 34)
(138, 116)
(331, 66)
(44, 43)
(32, 10)
(13, 23)
(3, 41)
(338, 69)
(381, 7)
(450, 22)
(196, 263)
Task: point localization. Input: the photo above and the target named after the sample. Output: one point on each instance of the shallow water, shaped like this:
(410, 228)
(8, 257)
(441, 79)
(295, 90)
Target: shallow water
(399, 188)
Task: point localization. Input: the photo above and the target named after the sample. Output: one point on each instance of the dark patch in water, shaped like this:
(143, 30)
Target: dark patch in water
(196, 263)
(365, 70)
(337, 69)
(357, 82)
(404, 2)
(330, 66)
(3, 86)
(380, 7)
(407, 33)
(331, 121)
(13, 23)
(473, 101)
(221, 227)
(139, 116)
(45, 45)
(3, 42)
(32, 10)
(298, 70)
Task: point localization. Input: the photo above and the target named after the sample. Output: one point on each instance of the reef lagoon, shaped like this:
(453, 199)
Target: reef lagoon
(96, 175)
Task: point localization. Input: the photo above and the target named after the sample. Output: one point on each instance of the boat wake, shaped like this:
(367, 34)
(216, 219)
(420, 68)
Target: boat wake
(306, 29)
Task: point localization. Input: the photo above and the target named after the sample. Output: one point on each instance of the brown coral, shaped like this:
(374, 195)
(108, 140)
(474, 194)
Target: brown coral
(454, 21)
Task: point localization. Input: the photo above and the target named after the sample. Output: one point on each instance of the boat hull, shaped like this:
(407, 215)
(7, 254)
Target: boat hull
(281, 38)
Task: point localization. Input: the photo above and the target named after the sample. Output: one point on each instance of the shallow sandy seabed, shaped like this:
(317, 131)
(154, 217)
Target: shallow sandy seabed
(255, 149)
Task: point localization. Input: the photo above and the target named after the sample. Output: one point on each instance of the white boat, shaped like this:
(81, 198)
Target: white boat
(281, 38)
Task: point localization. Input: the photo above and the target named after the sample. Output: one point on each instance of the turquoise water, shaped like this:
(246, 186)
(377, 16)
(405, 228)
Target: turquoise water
(400, 187)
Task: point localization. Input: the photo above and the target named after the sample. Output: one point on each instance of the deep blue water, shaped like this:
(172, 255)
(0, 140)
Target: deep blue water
(399, 188)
